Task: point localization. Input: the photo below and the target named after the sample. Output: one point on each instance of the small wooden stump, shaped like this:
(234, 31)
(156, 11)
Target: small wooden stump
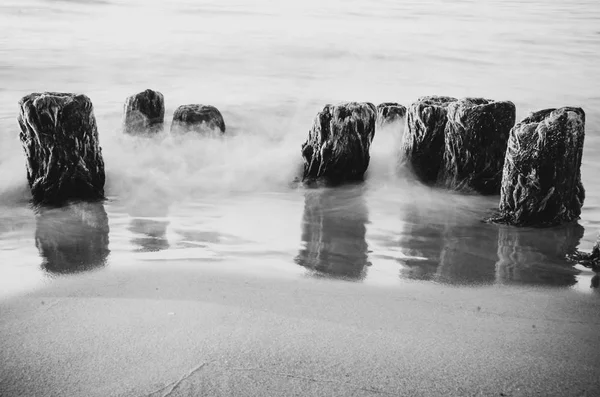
(476, 136)
(337, 147)
(144, 113)
(197, 118)
(390, 112)
(541, 182)
(423, 142)
(73, 238)
(60, 139)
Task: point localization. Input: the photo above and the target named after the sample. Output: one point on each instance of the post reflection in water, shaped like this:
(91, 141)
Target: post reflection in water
(150, 235)
(596, 279)
(469, 254)
(537, 256)
(146, 208)
(333, 233)
(73, 238)
(444, 245)
(421, 243)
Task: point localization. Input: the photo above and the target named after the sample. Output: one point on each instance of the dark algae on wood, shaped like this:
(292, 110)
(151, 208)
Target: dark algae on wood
(337, 147)
(541, 181)
(423, 143)
(144, 113)
(198, 118)
(60, 139)
(476, 136)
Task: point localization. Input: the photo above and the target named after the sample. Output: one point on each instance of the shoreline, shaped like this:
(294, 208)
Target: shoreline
(127, 332)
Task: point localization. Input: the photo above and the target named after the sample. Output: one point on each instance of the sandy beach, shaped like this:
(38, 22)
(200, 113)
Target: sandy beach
(209, 270)
(178, 330)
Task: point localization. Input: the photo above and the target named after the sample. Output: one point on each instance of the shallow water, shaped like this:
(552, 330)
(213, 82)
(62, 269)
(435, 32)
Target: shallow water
(269, 66)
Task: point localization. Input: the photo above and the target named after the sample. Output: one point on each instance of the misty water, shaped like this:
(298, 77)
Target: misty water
(270, 66)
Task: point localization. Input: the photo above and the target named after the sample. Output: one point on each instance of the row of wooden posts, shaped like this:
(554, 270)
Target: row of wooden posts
(471, 145)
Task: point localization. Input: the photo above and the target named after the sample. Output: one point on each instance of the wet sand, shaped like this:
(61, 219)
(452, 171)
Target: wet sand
(182, 328)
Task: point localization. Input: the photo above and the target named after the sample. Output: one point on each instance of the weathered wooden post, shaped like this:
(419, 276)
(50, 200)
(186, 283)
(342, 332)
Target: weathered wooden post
(144, 113)
(423, 142)
(198, 118)
(60, 139)
(476, 136)
(390, 112)
(337, 147)
(541, 181)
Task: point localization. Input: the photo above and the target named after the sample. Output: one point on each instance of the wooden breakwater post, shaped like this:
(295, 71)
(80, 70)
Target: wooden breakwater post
(144, 113)
(337, 147)
(204, 119)
(475, 140)
(390, 112)
(541, 181)
(60, 139)
(458, 143)
(422, 148)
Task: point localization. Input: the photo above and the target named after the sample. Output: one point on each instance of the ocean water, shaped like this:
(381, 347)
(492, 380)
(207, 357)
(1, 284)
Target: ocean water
(269, 66)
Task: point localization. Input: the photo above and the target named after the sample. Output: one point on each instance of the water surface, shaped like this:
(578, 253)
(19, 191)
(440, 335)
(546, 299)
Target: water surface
(269, 66)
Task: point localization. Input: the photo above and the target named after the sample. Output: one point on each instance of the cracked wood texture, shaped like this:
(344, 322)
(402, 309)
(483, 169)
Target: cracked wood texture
(390, 112)
(144, 113)
(337, 147)
(197, 118)
(60, 139)
(541, 182)
(423, 142)
(476, 135)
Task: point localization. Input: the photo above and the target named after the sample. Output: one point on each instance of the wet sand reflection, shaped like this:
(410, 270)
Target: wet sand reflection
(421, 242)
(333, 233)
(73, 238)
(150, 235)
(447, 246)
(537, 256)
(469, 254)
(447, 243)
